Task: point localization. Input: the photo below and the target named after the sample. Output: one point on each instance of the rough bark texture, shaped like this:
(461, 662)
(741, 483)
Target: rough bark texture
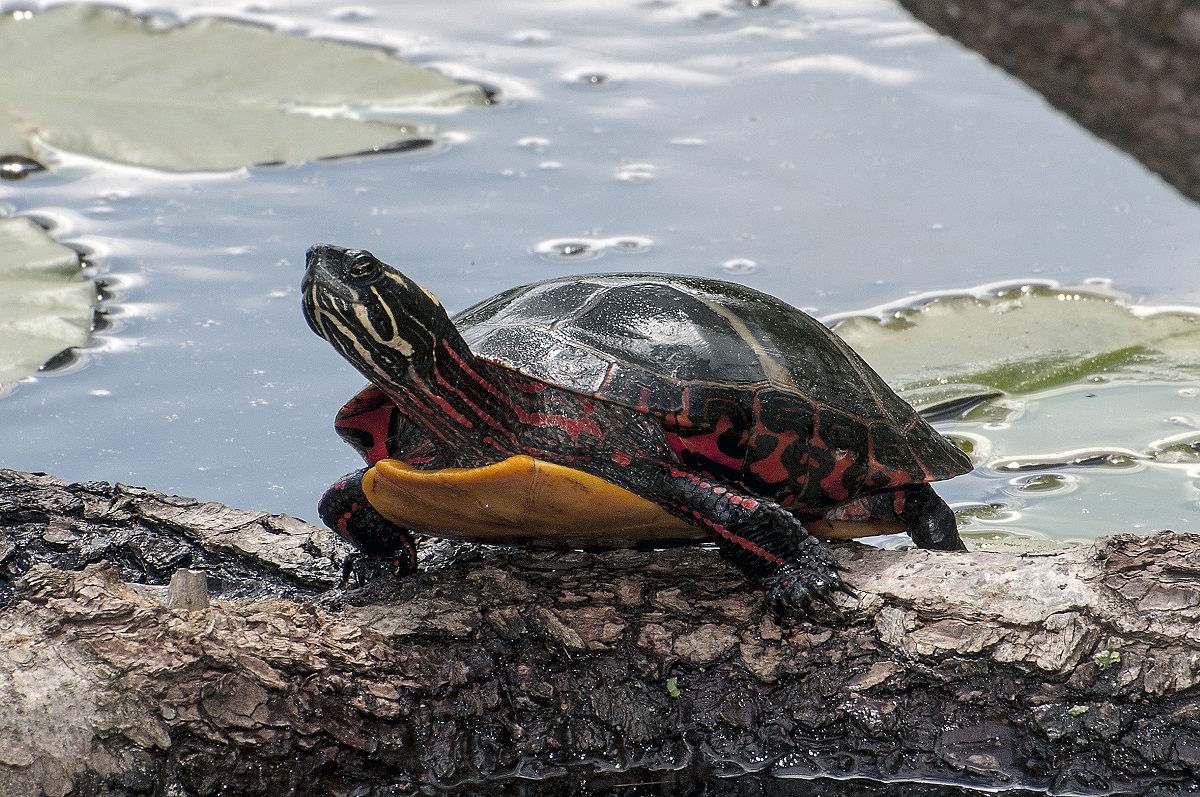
(1127, 70)
(1074, 671)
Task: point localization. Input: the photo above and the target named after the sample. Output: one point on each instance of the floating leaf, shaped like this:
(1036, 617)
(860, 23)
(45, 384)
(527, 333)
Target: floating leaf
(1023, 340)
(1093, 425)
(46, 305)
(209, 95)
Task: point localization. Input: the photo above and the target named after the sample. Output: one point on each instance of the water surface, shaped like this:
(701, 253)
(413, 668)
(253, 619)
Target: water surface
(835, 154)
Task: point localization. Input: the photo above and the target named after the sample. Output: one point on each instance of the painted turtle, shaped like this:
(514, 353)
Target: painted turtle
(720, 406)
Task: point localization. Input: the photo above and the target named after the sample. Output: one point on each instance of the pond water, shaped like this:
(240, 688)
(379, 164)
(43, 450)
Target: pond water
(835, 154)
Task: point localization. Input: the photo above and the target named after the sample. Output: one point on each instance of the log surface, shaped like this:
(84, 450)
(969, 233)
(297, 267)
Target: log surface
(1127, 70)
(1075, 671)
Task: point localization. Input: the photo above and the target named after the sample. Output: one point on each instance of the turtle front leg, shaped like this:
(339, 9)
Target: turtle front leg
(929, 521)
(761, 537)
(345, 509)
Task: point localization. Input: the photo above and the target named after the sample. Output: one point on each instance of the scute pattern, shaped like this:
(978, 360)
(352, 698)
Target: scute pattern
(747, 387)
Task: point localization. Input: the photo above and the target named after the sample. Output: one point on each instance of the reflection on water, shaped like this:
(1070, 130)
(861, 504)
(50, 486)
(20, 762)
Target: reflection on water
(837, 155)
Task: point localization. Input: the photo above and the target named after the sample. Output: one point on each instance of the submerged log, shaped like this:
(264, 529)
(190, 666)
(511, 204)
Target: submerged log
(1075, 671)
(1127, 70)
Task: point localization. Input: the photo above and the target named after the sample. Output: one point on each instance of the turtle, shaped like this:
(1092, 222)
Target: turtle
(734, 416)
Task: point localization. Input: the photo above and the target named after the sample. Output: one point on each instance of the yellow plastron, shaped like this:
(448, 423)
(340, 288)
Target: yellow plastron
(523, 500)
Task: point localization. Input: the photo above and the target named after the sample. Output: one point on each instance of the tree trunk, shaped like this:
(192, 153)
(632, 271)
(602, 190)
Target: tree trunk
(1074, 670)
(1127, 70)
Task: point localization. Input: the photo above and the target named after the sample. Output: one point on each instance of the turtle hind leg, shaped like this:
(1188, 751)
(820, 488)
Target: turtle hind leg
(382, 544)
(761, 537)
(929, 521)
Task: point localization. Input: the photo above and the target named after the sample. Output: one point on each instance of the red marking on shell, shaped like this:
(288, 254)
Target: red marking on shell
(898, 501)
(369, 413)
(771, 468)
(621, 458)
(707, 445)
(644, 400)
(834, 485)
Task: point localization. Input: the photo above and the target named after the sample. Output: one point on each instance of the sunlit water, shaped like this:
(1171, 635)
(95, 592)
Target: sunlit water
(835, 154)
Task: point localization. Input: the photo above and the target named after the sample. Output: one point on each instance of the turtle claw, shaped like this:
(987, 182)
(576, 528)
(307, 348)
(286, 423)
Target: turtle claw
(793, 587)
(359, 569)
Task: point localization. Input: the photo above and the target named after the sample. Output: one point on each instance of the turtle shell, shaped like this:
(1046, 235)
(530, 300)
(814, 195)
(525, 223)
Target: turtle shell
(737, 377)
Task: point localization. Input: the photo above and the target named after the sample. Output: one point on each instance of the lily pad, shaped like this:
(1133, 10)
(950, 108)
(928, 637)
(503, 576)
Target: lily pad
(209, 95)
(1093, 422)
(46, 305)
(1022, 340)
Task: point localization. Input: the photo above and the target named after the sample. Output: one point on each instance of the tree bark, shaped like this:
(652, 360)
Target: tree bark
(1127, 70)
(1072, 671)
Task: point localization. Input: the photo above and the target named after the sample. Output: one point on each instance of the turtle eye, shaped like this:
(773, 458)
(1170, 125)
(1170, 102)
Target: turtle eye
(363, 268)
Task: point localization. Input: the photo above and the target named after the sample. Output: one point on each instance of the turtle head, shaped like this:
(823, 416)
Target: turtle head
(382, 322)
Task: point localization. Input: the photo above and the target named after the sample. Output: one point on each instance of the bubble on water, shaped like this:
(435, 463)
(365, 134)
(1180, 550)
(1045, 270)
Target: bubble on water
(18, 167)
(353, 13)
(531, 36)
(590, 248)
(630, 244)
(99, 392)
(739, 265)
(567, 249)
(535, 143)
(688, 141)
(22, 14)
(635, 172)
(550, 165)
(593, 78)
(1188, 392)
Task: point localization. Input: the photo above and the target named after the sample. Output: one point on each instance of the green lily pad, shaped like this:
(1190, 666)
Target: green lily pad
(46, 305)
(1022, 340)
(1093, 425)
(209, 95)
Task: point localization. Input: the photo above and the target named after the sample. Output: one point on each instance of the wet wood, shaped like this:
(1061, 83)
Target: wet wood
(1127, 70)
(1075, 670)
